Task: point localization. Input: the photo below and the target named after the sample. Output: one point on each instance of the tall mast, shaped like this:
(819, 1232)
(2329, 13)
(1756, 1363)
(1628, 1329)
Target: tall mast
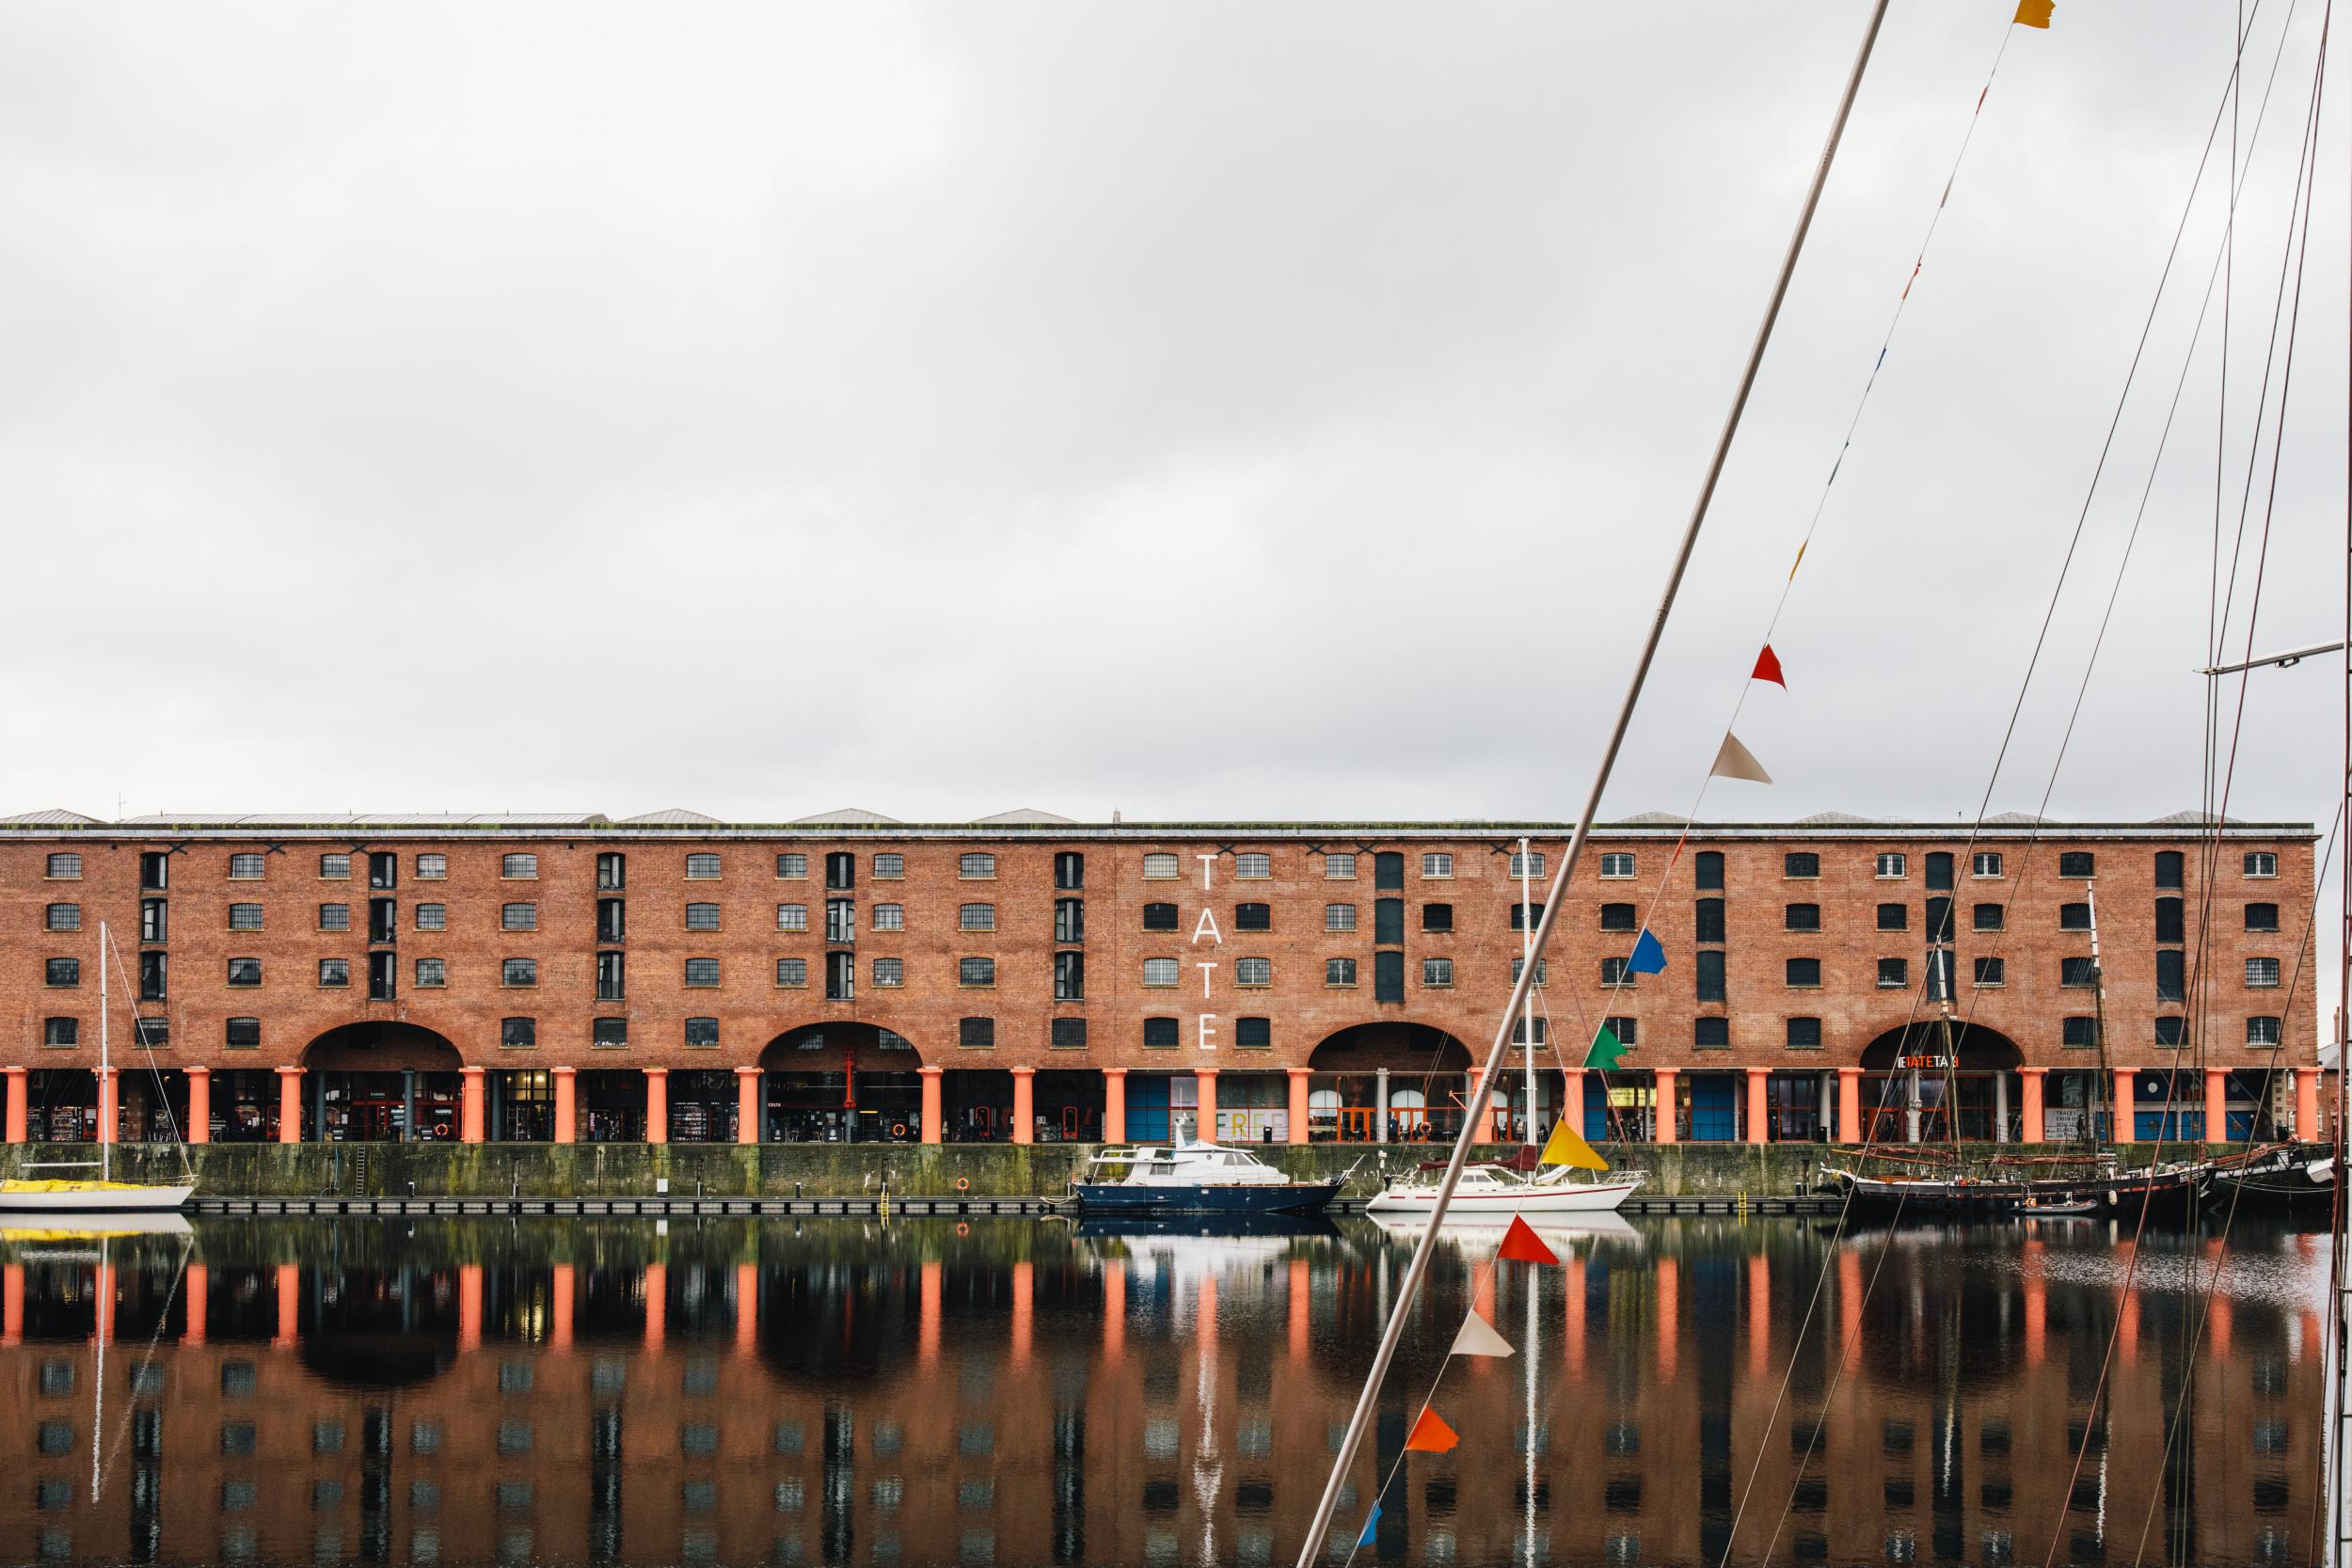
(105, 1066)
(2104, 1089)
(1312, 1545)
(1527, 963)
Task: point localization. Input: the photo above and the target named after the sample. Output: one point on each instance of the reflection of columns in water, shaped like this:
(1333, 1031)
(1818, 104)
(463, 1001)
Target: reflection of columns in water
(2218, 1320)
(1669, 1317)
(1114, 1310)
(2037, 1306)
(289, 1304)
(1301, 1307)
(746, 1308)
(2127, 1320)
(104, 1334)
(1023, 1300)
(1759, 1314)
(1573, 1335)
(926, 1316)
(12, 1304)
(1848, 1301)
(468, 1306)
(199, 1291)
(657, 1306)
(560, 1308)
(1204, 1325)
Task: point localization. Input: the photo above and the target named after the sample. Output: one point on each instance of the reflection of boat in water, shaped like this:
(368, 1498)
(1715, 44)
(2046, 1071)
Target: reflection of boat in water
(80, 1225)
(1235, 1226)
(1480, 1233)
(1493, 1196)
(1198, 1179)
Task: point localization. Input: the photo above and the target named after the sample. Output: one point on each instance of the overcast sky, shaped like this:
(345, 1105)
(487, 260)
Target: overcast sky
(1196, 410)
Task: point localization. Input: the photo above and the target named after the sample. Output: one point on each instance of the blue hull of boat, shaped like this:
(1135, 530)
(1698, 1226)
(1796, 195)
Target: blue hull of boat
(1118, 1197)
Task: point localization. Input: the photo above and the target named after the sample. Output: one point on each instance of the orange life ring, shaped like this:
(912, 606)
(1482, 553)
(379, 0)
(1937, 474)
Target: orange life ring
(897, 1128)
(964, 1183)
(962, 1229)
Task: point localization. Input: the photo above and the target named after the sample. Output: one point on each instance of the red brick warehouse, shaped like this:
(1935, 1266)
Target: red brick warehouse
(1022, 977)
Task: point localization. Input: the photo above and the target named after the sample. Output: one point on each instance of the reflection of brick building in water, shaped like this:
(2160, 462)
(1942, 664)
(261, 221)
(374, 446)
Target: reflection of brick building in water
(675, 977)
(854, 1395)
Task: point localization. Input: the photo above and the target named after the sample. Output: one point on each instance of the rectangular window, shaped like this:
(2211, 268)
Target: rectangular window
(612, 872)
(1618, 917)
(432, 917)
(1159, 1033)
(840, 976)
(1618, 864)
(1437, 971)
(335, 868)
(61, 1032)
(1893, 917)
(1067, 1034)
(432, 973)
(1435, 865)
(151, 972)
(2171, 868)
(887, 917)
(61, 971)
(1159, 917)
(333, 972)
(1253, 971)
(519, 972)
(2079, 1032)
(1890, 864)
(977, 917)
(1707, 965)
(1894, 974)
(1801, 864)
(383, 869)
(702, 973)
(1388, 872)
(2075, 864)
(1339, 866)
(792, 972)
(1707, 920)
(2171, 975)
(611, 920)
(609, 1034)
(68, 917)
(1253, 866)
(1388, 976)
(840, 920)
(519, 917)
(978, 1033)
(65, 867)
(702, 917)
(244, 917)
(1253, 1033)
(2078, 972)
(518, 868)
(1339, 971)
(154, 919)
(1710, 1034)
(890, 867)
(1159, 867)
(1989, 917)
(792, 868)
(2074, 917)
(381, 917)
(243, 1034)
(1543, 968)
(1531, 871)
(794, 917)
(1070, 870)
(2171, 1032)
(1991, 971)
(152, 1034)
(1805, 1034)
(2262, 1031)
(382, 978)
(1985, 864)
(1939, 872)
(1436, 917)
(1940, 976)
(1388, 922)
(976, 972)
(1070, 976)
(702, 1034)
(2261, 862)
(1939, 920)
(1253, 917)
(976, 867)
(1337, 917)
(246, 868)
(2262, 917)
(1804, 917)
(334, 917)
(1804, 971)
(1615, 971)
(2262, 973)
(1525, 917)
(154, 870)
(2171, 921)
(702, 868)
(1706, 871)
(890, 973)
(1069, 920)
(432, 868)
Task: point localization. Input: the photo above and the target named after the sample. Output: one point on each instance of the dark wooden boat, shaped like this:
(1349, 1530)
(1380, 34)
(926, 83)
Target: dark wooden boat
(2049, 1185)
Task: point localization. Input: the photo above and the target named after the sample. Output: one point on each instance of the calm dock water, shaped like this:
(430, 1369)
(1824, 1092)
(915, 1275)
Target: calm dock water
(1006, 1390)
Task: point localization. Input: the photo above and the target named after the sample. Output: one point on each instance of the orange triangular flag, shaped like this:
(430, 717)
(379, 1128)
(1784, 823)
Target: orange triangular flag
(1431, 1435)
(1767, 668)
(2034, 13)
(1522, 1244)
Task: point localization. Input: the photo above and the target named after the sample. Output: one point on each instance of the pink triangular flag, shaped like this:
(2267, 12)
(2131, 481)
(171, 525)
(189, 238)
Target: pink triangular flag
(1478, 1337)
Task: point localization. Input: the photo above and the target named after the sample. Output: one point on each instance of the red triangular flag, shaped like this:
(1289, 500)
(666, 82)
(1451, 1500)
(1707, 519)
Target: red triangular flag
(1767, 668)
(1522, 1246)
(1431, 1435)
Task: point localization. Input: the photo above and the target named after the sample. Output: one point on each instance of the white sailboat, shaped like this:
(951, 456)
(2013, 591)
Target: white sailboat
(24, 1197)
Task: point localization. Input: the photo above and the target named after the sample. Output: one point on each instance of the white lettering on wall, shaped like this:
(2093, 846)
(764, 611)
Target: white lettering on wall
(1204, 966)
(1206, 926)
(1208, 1028)
(1206, 861)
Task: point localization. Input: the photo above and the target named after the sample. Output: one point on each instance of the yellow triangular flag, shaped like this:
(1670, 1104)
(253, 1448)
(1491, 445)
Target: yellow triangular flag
(1564, 1147)
(2035, 14)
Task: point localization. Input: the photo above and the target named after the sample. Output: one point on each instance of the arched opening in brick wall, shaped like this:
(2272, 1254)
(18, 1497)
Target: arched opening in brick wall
(1920, 1082)
(1387, 1082)
(376, 1082)
(841, 1081)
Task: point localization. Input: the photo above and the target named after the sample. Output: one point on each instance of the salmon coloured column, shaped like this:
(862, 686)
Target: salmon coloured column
(199, 1127)
(2029, 1114)
(1759, 1109)
(2306, 1103)
(931, 1119)
(2125, 1123)
(2217, 1105)
(1205, 1129)
(1114, 1105)
(109, 1106)
(1023, 1105)
(566, 1105)
(1662, 1119)
(657, 1105)
(469, 1114)
(749, 1113)
(1300, 1110)
(13, 1079)
(289, 1104)
(1849, 1104)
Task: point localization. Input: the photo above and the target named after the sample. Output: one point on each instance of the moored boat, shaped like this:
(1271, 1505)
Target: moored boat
(1198, 1179)
(89, 1197)
(1494, 1194)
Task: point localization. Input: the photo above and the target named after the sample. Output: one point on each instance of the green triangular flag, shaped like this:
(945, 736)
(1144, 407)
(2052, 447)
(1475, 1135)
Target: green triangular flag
(1606, 1049)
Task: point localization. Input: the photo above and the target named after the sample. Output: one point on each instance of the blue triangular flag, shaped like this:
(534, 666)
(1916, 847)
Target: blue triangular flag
(1370, 1525)
(1649, 955)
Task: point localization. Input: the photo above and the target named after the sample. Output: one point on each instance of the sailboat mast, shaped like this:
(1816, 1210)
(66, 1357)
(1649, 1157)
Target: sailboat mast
(2102, 1091)
(1527, 963)
(1314, 1545)
(105, 1065)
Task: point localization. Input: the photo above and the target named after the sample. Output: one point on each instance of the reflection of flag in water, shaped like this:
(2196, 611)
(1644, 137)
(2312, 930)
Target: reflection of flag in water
(1371, 1523)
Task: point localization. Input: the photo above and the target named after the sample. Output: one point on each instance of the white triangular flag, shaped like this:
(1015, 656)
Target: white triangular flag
(1736, 761)
(1478, 1337)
